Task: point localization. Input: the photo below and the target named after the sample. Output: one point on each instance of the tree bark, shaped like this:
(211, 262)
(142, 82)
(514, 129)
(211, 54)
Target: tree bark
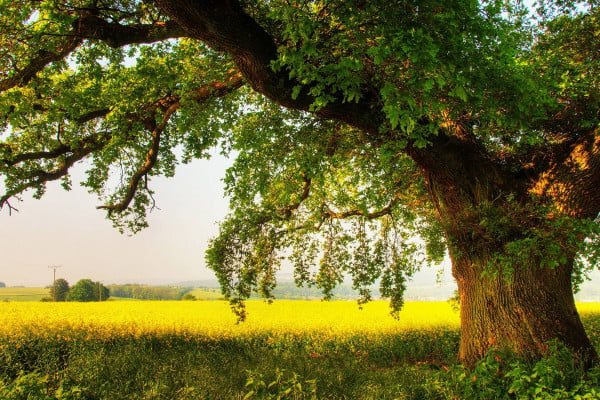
(523, 306)
(521, 313)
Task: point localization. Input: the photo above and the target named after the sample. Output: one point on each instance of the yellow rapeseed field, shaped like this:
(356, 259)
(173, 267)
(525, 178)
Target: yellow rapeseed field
(214, 318)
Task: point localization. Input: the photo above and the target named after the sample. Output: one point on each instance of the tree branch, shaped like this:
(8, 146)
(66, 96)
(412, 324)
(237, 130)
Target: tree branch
(151, 158)
(92, 27)
(287, 211)
(328, 213)
(171, 104)
(39, 62)
(117, 35)
(93, 143)
(223, 25)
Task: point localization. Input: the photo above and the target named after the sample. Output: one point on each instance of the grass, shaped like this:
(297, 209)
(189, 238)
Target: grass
(207, 293)
(23, 293)
(195, 350)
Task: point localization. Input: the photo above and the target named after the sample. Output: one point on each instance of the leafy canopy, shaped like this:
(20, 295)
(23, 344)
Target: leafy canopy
(120, 87)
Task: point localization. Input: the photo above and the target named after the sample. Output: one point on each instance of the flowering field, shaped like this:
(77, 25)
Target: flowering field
(196, 350)
(214, 318)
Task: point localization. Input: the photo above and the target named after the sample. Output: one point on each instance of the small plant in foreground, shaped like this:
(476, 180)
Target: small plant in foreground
(556, 377)
(293, 387)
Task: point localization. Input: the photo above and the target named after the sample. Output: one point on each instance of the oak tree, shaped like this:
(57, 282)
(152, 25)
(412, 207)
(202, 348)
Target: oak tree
(368, 136)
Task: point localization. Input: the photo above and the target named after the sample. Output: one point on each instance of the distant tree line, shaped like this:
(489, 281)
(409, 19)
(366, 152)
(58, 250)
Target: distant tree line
(2, 284)
(143, 292)
(289, 290)
(84, 290)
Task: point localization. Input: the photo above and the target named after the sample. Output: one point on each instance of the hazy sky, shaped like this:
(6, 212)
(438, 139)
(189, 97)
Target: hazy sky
(65, 228)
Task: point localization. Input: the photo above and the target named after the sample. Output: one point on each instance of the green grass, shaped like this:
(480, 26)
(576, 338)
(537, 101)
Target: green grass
(24, 293)
(182, 366)
(206, 293)
(37, 293)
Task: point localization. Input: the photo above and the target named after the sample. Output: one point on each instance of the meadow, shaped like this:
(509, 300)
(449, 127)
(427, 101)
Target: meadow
(23, 293)
(285, 350)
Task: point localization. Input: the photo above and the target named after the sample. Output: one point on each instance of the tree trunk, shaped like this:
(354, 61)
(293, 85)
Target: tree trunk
(513, 302)
(520, 313)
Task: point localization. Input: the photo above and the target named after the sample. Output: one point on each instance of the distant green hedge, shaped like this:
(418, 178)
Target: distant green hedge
(143, 292)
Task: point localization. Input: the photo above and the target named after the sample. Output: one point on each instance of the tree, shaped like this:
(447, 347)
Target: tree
(369, 138)
(2, 284)
(59, 290)
(87, 290)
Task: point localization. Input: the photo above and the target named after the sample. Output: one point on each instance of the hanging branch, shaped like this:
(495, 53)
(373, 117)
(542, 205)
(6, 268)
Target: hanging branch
(171, 104)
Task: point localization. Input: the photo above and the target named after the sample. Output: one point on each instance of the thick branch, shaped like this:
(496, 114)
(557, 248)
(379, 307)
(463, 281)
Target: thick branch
(39, 62)
(94, 28)
(117, 35)
(37, 155)
(223, 25)
(87, 117)
(574, 183)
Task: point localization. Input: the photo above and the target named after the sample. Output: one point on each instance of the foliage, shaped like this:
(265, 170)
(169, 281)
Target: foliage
(2, 285)
(144, 292)
(26, 386)
(556, 376)
(293, 387)
(59, 290)
(87, 290)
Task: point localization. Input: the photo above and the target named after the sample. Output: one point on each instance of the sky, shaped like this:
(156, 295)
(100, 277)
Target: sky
(65, 229)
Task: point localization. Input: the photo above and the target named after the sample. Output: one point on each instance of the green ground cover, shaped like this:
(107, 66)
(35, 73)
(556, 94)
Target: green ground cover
(82, 363)
(23, 293)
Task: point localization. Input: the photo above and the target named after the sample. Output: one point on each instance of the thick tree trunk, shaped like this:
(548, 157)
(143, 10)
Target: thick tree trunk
(512, 302)
(520, 313)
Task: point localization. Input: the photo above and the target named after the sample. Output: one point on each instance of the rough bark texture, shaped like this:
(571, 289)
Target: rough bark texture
(526, 309)
(521, 314)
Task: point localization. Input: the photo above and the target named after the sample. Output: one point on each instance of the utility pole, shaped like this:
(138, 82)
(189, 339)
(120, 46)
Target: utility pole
(54, 267)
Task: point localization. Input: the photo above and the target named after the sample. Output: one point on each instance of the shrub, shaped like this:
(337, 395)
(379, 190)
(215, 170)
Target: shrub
(556, 377)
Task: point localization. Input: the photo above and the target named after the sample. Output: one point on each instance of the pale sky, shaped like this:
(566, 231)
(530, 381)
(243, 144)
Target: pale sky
(65, 228)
